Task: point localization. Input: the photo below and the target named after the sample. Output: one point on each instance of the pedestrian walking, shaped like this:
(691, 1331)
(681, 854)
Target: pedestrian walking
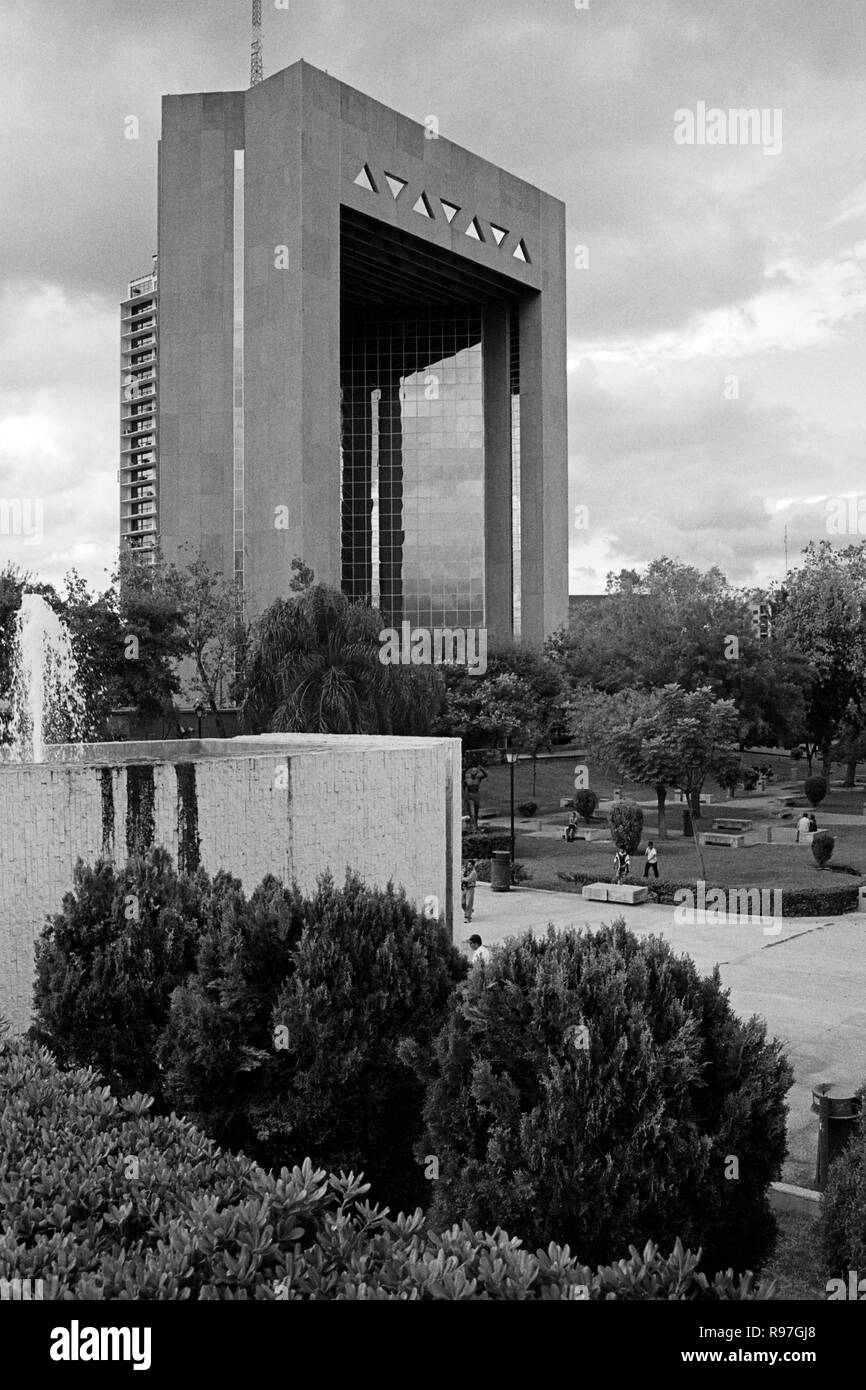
(467, 889)
(480, 954)
(652, 860)
(621, 866)
(472, 779)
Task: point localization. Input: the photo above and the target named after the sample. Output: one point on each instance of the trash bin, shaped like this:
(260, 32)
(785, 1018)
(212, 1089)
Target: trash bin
(837, 1108)
(688, 828)
(500, 871)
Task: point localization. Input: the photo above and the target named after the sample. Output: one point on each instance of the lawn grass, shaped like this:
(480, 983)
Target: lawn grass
(755, 866)
(759, 866)
(796, 1263)
(554, 779)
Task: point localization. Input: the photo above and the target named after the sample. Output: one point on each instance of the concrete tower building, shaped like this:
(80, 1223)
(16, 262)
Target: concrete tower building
(138, 417)
(362, 358)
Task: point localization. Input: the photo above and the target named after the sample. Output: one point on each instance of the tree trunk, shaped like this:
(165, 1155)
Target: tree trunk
(534, 771)
(661, 797)
(850, 772)
(826, 761)
(699, 853)
(693, 801)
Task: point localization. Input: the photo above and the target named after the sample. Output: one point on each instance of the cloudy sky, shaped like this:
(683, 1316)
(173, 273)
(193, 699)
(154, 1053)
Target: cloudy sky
(717, 293)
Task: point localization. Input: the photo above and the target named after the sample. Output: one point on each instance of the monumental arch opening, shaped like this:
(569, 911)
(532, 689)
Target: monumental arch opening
(362, 334)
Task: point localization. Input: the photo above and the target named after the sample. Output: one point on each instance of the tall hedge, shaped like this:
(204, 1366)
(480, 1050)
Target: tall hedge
(626, 1140)
(102, 1200)
(289, 1038)
(626, 826)
(843, 1206)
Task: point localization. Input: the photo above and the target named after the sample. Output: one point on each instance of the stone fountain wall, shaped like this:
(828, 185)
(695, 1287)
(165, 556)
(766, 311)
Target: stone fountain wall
(292, 805)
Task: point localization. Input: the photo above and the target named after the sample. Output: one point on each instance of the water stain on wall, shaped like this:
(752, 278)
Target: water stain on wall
(139, 810)
(188, 847)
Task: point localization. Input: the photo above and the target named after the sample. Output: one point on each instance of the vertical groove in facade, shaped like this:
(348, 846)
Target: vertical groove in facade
(514, 382)
(238, 374)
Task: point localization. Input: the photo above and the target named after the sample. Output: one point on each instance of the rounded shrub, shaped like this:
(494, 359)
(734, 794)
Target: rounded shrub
(528, 808)
(585, 803)
(106, 964)
(626, 826)
(665, 1117)
(103, 1200)
(843, 1206)
(305, 1058)
(815, 789)
(823, 845)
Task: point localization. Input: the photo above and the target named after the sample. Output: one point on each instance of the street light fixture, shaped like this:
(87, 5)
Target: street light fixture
(511, 756)
(199, 714)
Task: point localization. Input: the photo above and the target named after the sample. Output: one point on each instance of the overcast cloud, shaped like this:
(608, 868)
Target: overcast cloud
(716, 346)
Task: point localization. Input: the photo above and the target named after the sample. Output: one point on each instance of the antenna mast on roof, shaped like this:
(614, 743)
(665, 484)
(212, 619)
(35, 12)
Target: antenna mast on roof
(256, 69)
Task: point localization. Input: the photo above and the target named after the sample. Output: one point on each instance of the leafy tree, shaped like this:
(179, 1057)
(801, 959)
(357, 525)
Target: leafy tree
(521, 700)
(209, 608)
(153, 636)
(671, 623)
(612, 726)
(302, 576)
(822, 616)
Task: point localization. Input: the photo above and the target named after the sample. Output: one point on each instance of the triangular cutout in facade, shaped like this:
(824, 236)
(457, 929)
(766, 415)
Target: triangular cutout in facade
(450, 210)
(520, 252)
(423, 207)
(474, 230)
(500, 233)
(365, 180)
(396, 185)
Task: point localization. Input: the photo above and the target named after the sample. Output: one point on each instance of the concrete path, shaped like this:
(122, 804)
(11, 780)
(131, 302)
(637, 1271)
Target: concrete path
(808, 983)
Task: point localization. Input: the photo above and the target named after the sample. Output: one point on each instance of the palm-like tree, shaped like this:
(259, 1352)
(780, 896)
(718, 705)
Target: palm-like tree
(314, 668)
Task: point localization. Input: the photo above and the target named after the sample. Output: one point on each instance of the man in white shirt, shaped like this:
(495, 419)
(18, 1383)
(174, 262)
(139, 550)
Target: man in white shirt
(652, 860)
(480, 954)
(803, 825)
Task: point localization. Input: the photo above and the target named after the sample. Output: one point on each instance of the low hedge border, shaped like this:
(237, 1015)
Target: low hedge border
(481, 846)
(796, 902)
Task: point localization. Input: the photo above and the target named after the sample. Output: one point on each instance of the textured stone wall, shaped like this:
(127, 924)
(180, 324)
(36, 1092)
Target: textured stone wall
(287, 805)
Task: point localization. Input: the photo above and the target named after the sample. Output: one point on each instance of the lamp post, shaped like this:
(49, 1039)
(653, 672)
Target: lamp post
(511, 759)
(199, 714)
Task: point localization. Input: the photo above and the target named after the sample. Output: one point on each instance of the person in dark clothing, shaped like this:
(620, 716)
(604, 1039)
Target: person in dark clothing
(472, 779)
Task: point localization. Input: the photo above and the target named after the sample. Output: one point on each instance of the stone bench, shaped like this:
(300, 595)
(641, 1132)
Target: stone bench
(706, 798)
(759, 836)
(728, 841)
(789, 835)
(733, 826)
(586, 832)
(630, 893)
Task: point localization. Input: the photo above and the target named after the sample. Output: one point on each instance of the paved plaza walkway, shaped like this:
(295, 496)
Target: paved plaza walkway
(808, 983)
